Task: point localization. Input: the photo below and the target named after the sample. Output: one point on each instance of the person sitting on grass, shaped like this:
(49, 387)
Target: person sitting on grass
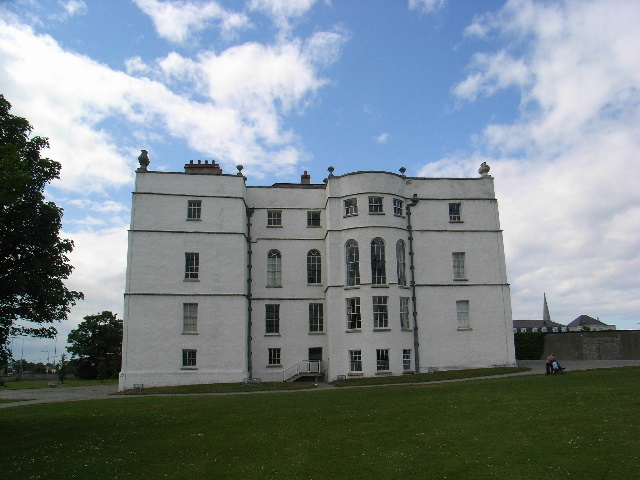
(549, 363)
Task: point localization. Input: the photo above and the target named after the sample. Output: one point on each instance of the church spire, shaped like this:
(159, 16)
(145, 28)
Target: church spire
(545, 310)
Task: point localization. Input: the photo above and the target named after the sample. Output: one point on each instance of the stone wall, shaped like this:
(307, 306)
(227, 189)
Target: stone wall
(603, 345)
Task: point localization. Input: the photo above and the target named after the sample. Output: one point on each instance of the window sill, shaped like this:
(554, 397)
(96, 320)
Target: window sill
(406, 287)
(274, 286)
(355, 374)
(314, 226)
(274, 226)
(398, 215)
(460, 279)
(408, 372)
(406, 330)
(350, 215)
(352, 287)
(191, 279)
(316, 333)
(194, 219)
(376, 213)
(314, 284)
(275, 366)
(189, 333)
(272, 335)
(382, 329)
(380, 285)
(353, 330)
(189, 368)
(384, 372)
(464, 329)
(456, 221)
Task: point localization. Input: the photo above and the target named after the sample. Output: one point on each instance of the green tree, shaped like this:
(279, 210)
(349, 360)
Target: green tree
(33, 258)
(63, 368)
(97, 346)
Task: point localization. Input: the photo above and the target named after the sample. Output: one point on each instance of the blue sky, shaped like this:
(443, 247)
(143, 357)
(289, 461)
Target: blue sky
(546, 92)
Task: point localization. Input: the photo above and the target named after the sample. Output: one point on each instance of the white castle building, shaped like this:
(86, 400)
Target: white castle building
(368, 273)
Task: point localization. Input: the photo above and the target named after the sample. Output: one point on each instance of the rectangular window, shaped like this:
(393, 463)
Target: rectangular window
(406, 360)
(375, 205)
(194, 207)
(380, 312)
(351, 206)
(462, 311)
(274, 356)
(189, 317)
(189, 358)
(272, 319)
(274, 218)
(355, 360)
(192, 265)
(354, 319)
(454, 212)
(397, 207)
(382, 360)
(316, 321)
(458, 266)
(313, 218)
(404, 312)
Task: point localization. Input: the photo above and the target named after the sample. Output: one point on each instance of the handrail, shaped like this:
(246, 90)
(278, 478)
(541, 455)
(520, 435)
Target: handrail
(303, 366)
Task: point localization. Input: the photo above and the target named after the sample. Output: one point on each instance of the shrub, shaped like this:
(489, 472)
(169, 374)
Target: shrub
(529, 345)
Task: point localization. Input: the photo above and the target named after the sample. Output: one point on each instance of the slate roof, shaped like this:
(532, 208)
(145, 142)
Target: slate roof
(536, 324)
(585, 320)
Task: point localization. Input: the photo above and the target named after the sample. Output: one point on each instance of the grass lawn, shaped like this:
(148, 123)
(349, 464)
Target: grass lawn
(583, 425)
(28, 384)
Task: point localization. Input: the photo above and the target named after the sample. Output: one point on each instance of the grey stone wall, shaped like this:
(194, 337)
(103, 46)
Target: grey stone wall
(603, 345)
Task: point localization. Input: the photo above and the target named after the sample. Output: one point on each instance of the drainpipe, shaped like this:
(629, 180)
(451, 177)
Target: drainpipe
(249, 297)
(416, 343)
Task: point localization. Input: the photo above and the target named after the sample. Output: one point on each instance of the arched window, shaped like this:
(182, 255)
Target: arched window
(378, 270)
(314, 267)
(274, 269)
(353, 263)
(402, 269)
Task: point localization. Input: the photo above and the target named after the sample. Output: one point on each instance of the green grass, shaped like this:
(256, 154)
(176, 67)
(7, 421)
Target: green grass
(29, 384)
(581, 425)
(429, 377)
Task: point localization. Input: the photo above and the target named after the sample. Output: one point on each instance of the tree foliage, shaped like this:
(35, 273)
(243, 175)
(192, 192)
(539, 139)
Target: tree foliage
(33, 258)
(529, 345)
(96, 346)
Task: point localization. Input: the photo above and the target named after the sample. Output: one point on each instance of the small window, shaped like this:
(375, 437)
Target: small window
(458, 266)
(382, 360)
(272, 319)
(274, 356)
(380, 312)
(192, 266)
(462, 311)
(189, 318)
(397, 207)
(189, 358)
(314, 267)
(354, 319)
(404, 313)
(351, 206)
(194, 208)
(353, 263)
(316, 321)
(454, 212)
(406, 359)
(375, 205)
(274, 269)
(355, 360)
(274, 218)
(313, 218)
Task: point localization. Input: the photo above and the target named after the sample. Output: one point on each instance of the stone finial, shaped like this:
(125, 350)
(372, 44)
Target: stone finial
(402, 170)
(239, 167)
(484, 169)
(144, 161)
(331, 169)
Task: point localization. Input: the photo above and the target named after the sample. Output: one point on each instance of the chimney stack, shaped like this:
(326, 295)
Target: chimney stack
(305, 178)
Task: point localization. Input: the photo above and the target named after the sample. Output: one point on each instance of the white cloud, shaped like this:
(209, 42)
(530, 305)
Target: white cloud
(426, 6)
(282, 12)
(73, 7)
(383, 138)
(178, 20)
(570, 210)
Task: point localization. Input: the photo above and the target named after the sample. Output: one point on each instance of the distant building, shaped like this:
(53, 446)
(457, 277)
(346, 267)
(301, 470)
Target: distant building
(538, 326)
(368, 273)
(592, 324)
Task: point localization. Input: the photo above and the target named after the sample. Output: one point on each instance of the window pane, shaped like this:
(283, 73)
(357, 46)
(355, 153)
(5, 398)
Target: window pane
(462, 310)
(378, 269)
(193, 209)
(316, 322)
(458, 265)
(353, 263)
(404, 312)
(272, 319)
(375, 205)
(314, 267)
(274, 272)
(189, 358)
(380, 313)
(406, 360)
(355, 360)
(382, 360)
(274, 218)
(354, 320)
(190, 317)
(454, 212)
(397, 207)
(274, 356)
(313, 219)
(351, 206)
(192, 265)
(401, 264)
